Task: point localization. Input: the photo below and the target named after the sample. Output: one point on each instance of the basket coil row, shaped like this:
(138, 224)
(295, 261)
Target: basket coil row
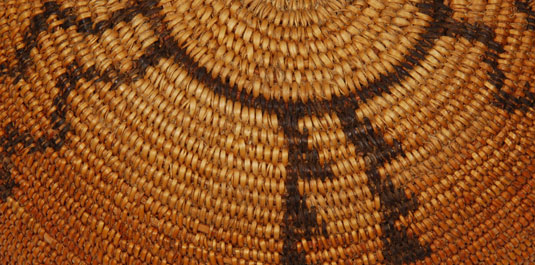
(267, 132)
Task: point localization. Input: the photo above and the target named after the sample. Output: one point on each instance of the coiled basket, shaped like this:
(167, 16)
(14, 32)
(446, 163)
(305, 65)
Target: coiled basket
(267, 132)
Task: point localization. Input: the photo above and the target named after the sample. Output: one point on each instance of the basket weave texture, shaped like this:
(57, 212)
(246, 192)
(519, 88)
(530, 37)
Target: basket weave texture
(267, 132)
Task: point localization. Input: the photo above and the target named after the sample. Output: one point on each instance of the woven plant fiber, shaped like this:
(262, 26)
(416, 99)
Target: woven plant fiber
(267, 132)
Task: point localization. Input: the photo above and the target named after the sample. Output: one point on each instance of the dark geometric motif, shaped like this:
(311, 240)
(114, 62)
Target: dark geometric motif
(507, 101)
(300, 221)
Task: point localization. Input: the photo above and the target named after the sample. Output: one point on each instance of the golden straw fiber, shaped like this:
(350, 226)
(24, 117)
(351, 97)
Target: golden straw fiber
(267, 132)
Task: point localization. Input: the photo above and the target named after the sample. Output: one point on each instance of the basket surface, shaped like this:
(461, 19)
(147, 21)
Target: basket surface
(267, 132)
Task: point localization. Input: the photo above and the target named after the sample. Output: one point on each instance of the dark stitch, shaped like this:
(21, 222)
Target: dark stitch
(510, 103)
(85, 25)
(3, 69)
(523, 7)
(7, 183)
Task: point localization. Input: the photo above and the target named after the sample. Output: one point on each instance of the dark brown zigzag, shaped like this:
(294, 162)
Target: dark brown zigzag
(303, 161)
(505, 100)
(65, 83)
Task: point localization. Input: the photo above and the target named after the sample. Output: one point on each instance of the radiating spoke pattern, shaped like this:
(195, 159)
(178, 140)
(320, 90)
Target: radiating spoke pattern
(274, 132)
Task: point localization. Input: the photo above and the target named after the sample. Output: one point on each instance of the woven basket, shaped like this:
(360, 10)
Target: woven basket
(267, 132)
